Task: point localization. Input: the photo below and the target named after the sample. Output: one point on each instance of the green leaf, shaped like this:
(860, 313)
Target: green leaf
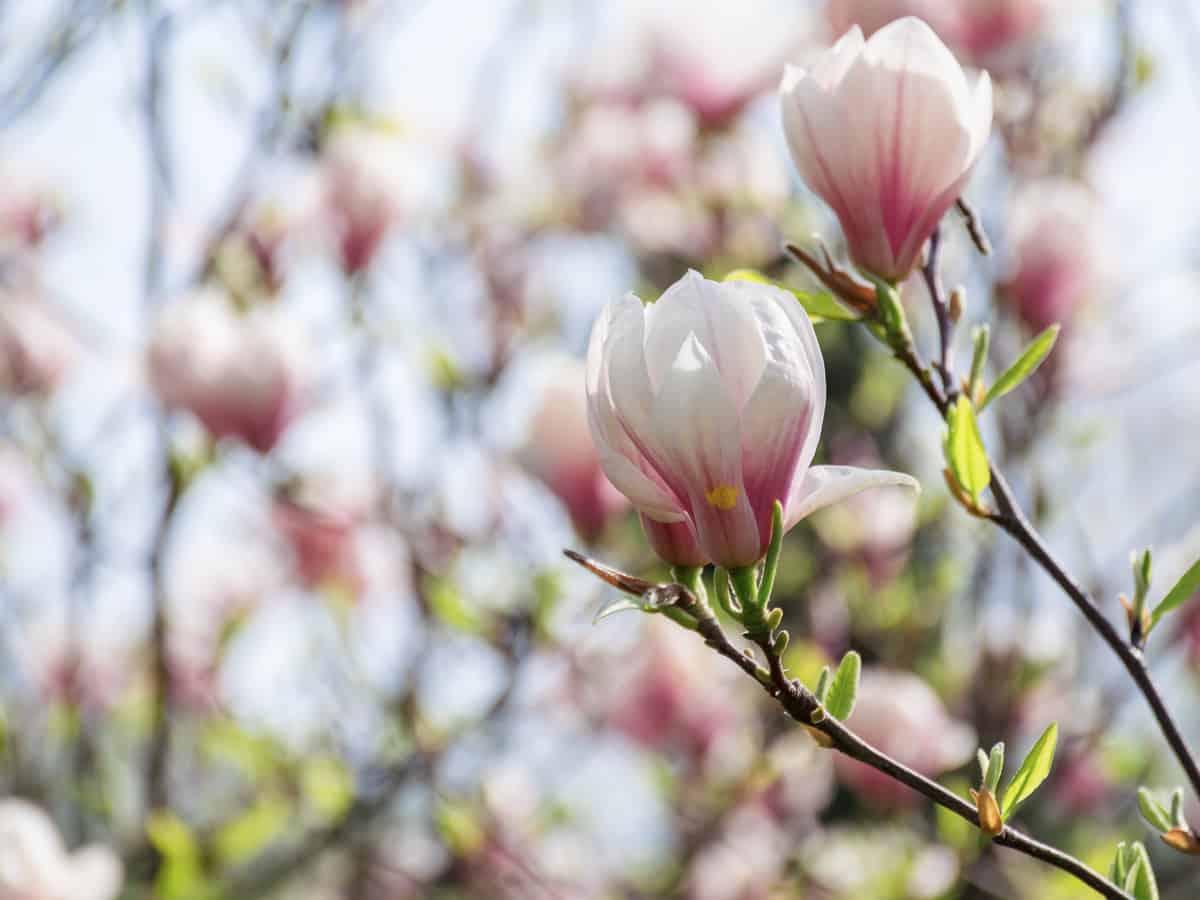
(327, 786)
(620, 604)
(771, 563)
(964, 449)
(1177, 819)
(820, 306)
(250, 832)
(822, 689)
(1184, 589)
(1153, 811)
(1033, 771)
(991, 778)
(1120, 864)
(844, 689)
(1139, 880)
(1025, 365)
(181, 873)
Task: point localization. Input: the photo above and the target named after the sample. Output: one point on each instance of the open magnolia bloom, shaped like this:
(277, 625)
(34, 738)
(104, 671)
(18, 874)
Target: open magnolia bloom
(706, 408)
(886, 131)
(34, 864)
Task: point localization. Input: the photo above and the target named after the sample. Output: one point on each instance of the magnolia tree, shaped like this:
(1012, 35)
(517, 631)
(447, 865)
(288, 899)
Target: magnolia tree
(816, 332)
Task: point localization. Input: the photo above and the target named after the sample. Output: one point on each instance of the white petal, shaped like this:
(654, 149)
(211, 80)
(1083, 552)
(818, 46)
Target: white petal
(825, 485)
(720, 318)
(96, 874)
(625, 465)
(699, 431)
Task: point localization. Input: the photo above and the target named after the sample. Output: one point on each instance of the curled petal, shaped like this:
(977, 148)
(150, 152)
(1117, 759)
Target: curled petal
(822, 486)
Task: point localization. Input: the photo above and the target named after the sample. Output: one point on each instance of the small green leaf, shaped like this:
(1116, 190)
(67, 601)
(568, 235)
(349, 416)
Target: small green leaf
(1025, 365)
(1153, 811)
(1183, 590)
(620, 604)
(820, 306)
(1177, 819)
(766, 583)
(822, 689)
(1033, 771)
(1139, 880)
(1120, 864)
(844, 689)
(991, 779)
(981, 757)
(964, 449)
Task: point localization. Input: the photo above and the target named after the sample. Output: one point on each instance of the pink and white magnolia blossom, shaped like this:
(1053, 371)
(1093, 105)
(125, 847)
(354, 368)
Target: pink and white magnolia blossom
(34, 864)
(560, 452)
(1055, 252)
(900, 714)
(37, 349)
(706, 408)
(887, 131)
(988, 29)
(244, 376)
(375, 177)
(871, 15)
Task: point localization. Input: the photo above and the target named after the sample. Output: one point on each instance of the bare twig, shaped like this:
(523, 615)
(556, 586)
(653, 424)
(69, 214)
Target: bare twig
(802, 706)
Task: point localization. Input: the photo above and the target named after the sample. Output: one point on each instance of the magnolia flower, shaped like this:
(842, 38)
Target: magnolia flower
(36, 348)
(902, 716)
(886, 131)
(706, 408)
(374, 178)
(987, 28)
(560, 452)
(1055, 252)
(34, 864)
(243, 376)
(871, 15)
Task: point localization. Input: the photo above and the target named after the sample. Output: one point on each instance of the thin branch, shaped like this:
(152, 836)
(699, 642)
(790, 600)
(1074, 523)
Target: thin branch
(801, 705)
(1012, 519)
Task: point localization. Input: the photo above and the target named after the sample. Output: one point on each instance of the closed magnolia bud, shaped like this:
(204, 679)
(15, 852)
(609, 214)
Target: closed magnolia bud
(706, 408)
(243, 376)
(35, 864)
(887, 131)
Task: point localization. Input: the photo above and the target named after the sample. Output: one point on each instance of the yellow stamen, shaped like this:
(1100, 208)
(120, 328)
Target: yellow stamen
(723, 496)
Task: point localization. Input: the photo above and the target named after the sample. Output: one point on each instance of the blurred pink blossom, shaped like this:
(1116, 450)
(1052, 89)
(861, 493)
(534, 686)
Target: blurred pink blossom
(559, 450)
(1055, 254)
(988, 29)
(321, 531)
(902, 716)
(34, 864)
(667, 698)
(242, 375)
(929, 121)
(375, 177)
(37, 348)
(871, 15)
(29, 211)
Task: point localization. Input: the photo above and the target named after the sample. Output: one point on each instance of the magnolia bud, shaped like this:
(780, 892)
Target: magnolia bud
(888, 192)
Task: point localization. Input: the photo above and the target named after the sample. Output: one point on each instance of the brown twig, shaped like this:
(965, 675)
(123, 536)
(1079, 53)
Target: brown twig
(802, 706)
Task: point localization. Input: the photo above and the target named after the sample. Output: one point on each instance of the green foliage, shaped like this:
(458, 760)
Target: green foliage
(843, 690)
(451, 608)
(327, 786)
(964, 449)
(1153, 812)
(1186, 587)
(248, 833)
(1033, 771)
(1132, 872)
(1026, 364)
(995, 768)
(181, 874)
(820, 306)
